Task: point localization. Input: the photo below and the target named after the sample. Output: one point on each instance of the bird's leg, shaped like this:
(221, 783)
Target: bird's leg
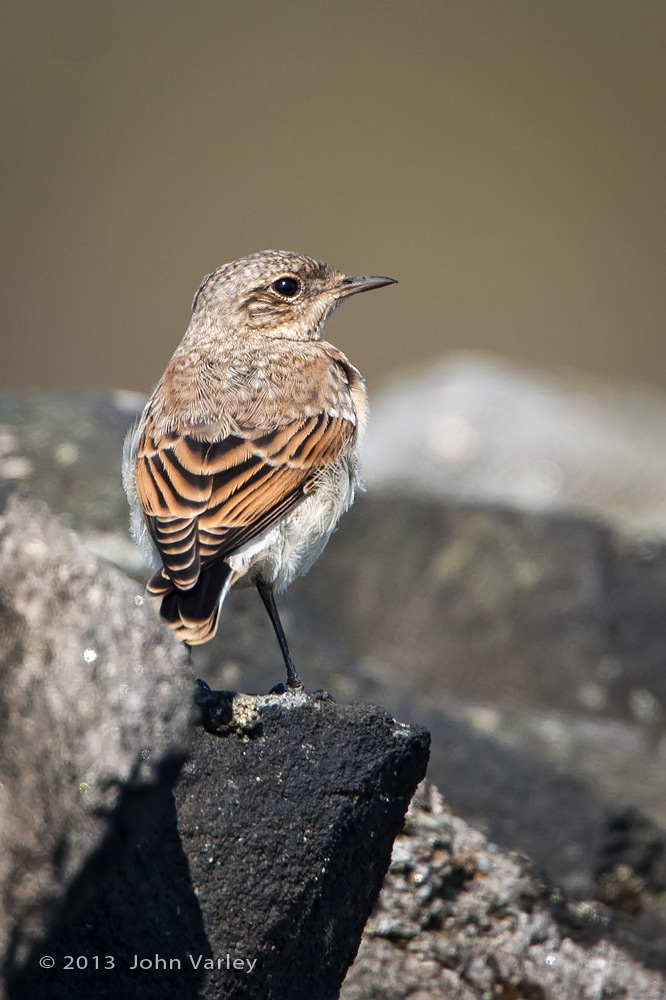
(266, 594)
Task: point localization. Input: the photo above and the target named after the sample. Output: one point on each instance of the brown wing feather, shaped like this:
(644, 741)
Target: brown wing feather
(203, 500)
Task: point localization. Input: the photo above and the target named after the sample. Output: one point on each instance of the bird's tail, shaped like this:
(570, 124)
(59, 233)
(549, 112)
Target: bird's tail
(193, 614)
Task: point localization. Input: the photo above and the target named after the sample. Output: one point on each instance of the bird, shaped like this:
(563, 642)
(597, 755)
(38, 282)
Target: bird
(246, 454)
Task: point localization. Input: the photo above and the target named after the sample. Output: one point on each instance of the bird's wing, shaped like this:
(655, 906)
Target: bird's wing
(204, 499)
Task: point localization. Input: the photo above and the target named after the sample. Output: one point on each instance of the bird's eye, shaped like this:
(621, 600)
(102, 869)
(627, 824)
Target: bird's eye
(287, 286)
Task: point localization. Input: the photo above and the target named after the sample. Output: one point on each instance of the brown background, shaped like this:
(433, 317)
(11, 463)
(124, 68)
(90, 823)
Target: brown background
(505, 160)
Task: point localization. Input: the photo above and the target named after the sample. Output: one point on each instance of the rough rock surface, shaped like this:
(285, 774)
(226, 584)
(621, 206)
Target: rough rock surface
(460, 919)
(271, 858)
(96, 719)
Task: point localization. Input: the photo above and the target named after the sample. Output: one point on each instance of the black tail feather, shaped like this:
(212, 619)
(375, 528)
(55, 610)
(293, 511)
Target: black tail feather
(194, 613)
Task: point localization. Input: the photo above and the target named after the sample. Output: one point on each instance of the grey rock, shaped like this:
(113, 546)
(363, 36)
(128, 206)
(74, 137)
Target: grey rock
(273, 854)
(460, 919)
(473, 428)
(96, 717)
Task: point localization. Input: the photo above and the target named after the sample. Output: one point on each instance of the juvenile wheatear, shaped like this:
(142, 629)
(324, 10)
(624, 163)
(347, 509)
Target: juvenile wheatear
(246, 455)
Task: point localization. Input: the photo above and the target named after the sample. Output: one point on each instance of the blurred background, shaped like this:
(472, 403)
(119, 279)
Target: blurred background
(504, 579)
(504, 160)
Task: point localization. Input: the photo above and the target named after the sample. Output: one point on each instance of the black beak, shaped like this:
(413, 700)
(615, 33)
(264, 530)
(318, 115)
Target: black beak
(363, 283)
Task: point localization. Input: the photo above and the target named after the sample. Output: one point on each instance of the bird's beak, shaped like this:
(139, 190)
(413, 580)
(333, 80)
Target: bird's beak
(363, 283)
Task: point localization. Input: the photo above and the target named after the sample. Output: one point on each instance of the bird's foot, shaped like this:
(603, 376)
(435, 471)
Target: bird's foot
(294, 682)
(322, 695)
(216, 706)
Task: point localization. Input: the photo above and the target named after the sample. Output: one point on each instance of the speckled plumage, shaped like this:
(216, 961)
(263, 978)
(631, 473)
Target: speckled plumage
(245, 456)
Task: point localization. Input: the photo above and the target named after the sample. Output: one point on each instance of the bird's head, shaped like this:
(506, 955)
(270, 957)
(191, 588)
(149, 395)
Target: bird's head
(276, 293)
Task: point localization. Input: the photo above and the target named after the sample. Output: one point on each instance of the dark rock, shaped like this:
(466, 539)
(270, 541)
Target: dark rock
(304, 820)
(284, 833)
(96, 716)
